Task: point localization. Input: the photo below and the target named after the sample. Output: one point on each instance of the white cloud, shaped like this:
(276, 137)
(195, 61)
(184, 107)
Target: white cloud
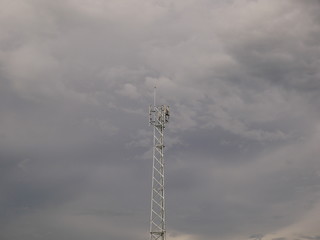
(129, 90)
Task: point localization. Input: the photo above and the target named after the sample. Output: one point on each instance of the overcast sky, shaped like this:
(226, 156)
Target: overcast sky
(241, 77)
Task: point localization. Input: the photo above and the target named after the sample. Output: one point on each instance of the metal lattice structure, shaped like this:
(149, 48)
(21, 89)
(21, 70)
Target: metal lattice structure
(158, 117)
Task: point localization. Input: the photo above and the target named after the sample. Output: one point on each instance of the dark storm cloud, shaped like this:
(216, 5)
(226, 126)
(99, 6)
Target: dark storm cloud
(242, 81)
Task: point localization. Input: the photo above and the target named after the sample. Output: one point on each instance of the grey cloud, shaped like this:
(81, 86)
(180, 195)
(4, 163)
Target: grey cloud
(257, 236)
(76, 79)
(309, 237)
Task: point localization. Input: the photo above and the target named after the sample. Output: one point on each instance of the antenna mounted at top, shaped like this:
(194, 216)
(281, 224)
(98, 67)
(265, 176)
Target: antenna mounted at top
(154, 94)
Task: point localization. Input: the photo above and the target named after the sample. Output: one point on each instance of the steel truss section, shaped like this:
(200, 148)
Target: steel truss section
(159, 116)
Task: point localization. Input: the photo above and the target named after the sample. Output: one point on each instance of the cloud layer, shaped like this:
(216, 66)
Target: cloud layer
(242, 81)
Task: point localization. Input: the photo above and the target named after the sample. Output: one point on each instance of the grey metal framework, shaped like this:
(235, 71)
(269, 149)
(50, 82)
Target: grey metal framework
(158, 117)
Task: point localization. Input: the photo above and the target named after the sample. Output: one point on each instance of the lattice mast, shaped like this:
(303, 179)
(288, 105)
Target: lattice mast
(158, 117)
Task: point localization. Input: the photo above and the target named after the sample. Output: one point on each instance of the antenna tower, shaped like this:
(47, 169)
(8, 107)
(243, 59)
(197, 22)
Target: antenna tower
(158, 117)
